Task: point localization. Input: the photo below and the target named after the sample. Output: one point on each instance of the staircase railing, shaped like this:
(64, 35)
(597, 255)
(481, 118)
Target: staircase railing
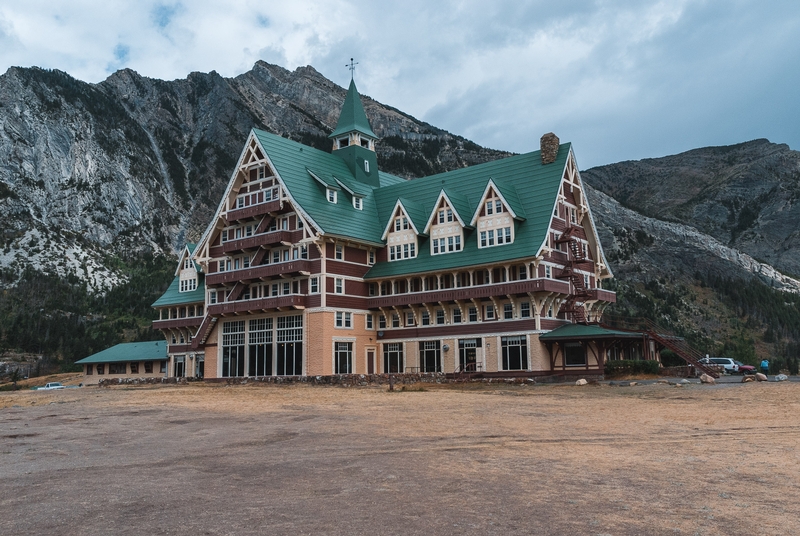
(664, 337)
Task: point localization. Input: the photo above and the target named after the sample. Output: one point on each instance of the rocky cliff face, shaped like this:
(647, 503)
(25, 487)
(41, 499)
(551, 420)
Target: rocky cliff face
(746, 196)
(136, 164)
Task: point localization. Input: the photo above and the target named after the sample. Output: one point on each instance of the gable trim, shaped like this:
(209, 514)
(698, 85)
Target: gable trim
(432, 217)
(491, 184)
(389, 223)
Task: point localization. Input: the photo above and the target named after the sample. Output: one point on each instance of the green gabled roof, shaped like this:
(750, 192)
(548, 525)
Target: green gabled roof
(130, 351)
(586, 331)
(174, 296)
(509, 193)
(354, 187)
(416, 211)
(353, 117)
(324, 179)
(292, 162)
(536, 188)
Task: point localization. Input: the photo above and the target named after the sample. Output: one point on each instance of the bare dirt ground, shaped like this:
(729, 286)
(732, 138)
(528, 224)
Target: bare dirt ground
(560, 459)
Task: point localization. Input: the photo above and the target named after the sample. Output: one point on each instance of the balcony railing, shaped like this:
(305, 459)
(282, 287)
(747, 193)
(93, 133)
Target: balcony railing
(296, 301)
(253, 210)
(172, 323)
(258, 272)
(264, 239)
(600, 294)
(466, 293)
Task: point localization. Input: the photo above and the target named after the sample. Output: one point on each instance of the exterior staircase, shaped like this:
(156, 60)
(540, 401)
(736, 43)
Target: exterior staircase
(662, 336)
(573, 307)
(203, 331)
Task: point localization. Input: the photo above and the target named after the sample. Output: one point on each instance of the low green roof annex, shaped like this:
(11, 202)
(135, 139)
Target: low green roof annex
(130, 351)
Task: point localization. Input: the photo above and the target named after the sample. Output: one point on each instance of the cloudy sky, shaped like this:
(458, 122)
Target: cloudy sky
(620, 79)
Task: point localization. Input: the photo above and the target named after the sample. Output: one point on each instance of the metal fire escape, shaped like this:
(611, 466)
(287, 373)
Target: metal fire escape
(573, 306)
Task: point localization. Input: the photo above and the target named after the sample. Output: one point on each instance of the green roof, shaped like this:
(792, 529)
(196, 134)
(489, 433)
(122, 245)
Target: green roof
(586, 331)
(294, 161)
(174, 296)
(130, 351)
(352, 117)
(529, 187)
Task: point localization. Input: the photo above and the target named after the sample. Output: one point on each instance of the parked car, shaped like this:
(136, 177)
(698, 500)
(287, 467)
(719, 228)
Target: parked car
(728, 364)
(745, 369)
(51, 386)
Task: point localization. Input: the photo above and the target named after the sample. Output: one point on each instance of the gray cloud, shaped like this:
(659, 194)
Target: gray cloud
(621, 80)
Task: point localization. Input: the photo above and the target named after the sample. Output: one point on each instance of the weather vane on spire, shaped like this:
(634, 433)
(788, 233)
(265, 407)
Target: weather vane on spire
(352, 67)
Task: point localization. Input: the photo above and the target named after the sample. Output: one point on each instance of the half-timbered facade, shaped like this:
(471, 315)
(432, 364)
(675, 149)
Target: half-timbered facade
(319, 263)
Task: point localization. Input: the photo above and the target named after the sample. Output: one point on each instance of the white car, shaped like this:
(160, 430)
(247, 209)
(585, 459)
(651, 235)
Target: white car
(51, 386)
(727, 363)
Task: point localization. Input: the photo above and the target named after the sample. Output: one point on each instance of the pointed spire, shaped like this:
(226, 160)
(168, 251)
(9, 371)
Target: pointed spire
(353, 118)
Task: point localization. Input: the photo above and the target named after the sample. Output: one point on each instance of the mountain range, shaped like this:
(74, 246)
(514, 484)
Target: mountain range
(100, 185)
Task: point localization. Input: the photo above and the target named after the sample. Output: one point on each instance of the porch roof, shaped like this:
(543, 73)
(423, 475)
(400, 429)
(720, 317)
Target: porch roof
(586, 332)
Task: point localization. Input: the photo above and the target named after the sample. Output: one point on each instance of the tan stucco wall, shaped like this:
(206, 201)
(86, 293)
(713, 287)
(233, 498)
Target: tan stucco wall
(94, 378)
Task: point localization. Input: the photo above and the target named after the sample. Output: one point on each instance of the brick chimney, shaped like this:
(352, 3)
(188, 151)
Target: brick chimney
(549, 146)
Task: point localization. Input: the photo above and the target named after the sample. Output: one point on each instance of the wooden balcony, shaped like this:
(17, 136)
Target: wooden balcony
(601, 295)
(467, 293)
(174, 323)
(264, 239)
(253, 211)
(294, 301)
(264, 271)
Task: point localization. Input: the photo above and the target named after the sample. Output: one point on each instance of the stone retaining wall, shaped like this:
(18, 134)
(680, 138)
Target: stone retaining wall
(348, 380)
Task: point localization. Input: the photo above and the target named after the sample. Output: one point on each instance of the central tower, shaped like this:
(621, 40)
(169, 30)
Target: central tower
(354, 140)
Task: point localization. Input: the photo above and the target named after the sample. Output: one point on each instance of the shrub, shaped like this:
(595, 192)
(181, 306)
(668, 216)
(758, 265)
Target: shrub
(631, 366)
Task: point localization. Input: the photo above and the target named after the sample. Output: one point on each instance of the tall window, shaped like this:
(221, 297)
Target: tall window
(515, 352)
(430, 357)
(508, 311)
(339, 285)
(233, 349)
(290, 345)
(343, 358)
(393, 357)
(259, 338)
(339, 252)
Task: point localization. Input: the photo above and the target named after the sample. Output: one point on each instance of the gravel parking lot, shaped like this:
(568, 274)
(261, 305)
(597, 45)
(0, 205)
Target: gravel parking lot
(474, 459)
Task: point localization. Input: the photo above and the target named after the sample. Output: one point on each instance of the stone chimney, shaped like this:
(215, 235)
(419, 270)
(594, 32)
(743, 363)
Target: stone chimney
(549, 146)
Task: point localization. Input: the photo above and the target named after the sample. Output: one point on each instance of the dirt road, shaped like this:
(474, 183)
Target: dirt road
(466, 460)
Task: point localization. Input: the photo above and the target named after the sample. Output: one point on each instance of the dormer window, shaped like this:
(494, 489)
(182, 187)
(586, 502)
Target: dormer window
(331, 195)
(401, 223)
(343, 142)
(494, 206)
(357, 201)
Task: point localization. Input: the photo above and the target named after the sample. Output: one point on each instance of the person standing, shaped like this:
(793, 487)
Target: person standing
(765, 367)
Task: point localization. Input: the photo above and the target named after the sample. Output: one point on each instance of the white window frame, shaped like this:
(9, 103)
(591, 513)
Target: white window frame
(358, 203)
(338, 285)
(331, 195)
